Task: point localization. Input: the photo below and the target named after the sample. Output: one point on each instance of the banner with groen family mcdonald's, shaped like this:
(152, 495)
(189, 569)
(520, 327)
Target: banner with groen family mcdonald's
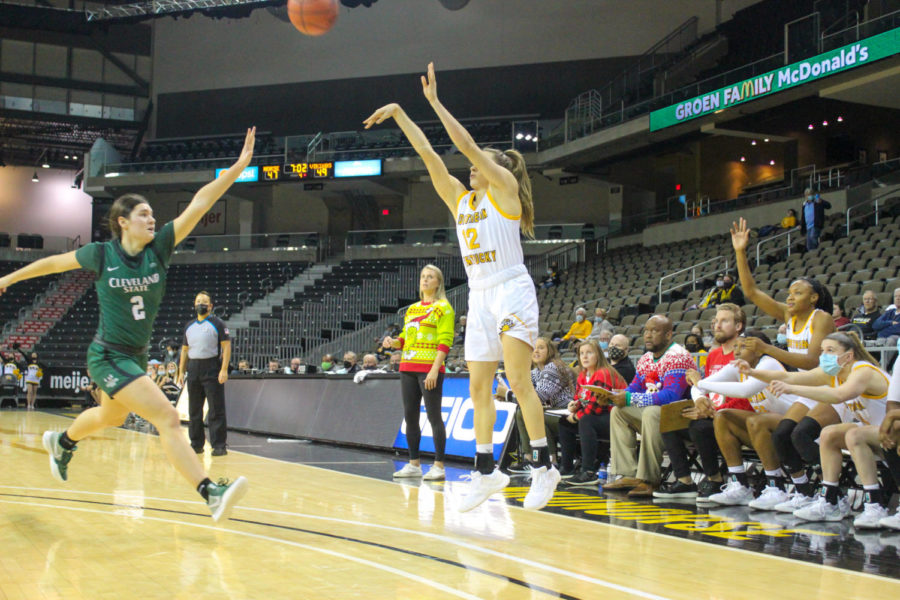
(863, 52)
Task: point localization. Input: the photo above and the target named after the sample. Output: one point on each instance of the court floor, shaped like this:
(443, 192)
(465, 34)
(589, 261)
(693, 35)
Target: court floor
(322, 522)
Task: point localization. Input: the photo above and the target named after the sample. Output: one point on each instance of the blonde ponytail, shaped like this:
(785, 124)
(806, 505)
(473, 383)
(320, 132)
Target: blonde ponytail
(513, 161)
(850, 341)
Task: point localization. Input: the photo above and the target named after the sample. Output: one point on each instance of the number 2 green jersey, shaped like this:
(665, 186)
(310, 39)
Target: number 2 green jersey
(129, 288)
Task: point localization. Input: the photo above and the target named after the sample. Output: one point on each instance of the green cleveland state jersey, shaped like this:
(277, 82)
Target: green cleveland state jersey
(129, 288)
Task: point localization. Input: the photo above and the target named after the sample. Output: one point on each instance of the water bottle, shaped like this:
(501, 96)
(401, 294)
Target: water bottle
(601, 474)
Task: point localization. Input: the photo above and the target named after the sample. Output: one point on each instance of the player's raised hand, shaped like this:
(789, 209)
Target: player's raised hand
(247, 150)
(429, 84)
(740, 235)
(4, 283)
(382, 114)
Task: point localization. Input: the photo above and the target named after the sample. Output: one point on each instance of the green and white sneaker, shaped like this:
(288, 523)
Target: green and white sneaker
(223, 495)
(59, 456)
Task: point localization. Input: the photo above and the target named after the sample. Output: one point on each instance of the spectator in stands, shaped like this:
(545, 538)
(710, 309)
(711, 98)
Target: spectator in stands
(787, 222)
(599, 321)
(866, 315)
(618, 357)
(243, 367)
(170, 373)
(579, 330)
(172, 352)
(838, 315)
(551, 278)
(694, 344)
(588, 416)
(382, 350)
(706, 338)
(350, 365)
(554, 383)
(327, 365)
(155, 370)
(274, 367)
(460, 337)
(660, 380)
(602, 337)
(370, 362)
(728, 324)
(812, 217)
(294, 367)
(887, 326)
(725, 290)
(781, 337)
(394, 364)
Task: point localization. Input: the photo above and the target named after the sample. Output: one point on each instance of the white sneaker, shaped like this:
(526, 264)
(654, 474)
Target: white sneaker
(543, 484)
(769, 498)
(822, 510)
(797, 500)
(733, 493)
(409, 470)
(871, 516)
(892, 522)
(434, 474)
(482, 487)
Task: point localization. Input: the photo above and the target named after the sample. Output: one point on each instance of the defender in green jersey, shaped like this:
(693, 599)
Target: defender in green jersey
(131, 281)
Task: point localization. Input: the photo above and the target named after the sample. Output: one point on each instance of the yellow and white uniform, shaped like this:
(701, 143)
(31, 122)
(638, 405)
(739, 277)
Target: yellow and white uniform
(798, 343)
(33, 374)
(10, 368)
(502, 298)
(864, 409)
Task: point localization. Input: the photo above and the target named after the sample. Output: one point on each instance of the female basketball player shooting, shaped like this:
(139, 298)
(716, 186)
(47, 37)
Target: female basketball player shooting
(131, 281)
(503, 310)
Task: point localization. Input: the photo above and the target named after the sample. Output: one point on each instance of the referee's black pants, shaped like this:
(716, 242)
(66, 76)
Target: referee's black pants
(203, 386)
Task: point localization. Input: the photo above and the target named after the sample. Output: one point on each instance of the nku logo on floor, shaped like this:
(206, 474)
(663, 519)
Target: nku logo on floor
(458, 413)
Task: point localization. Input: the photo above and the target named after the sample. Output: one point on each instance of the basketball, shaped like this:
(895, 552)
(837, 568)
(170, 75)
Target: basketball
(313, 17)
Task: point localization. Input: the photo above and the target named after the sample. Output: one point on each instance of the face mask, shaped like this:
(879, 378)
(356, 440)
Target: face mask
(616, 354)
(692, 347)
(202, 309)
(720, 283)
(604, 345)
(549, 271)
(171, 371)
(326, 366)
(727, 284)
(347, 364)
(829, 364)
(579, 318)
(371, 367)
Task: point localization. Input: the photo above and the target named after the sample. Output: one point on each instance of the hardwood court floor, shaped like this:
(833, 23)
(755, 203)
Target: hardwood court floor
(127, 526)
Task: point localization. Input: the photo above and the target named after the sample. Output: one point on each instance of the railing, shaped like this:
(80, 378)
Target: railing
(777, 237)
(693, 278)
(557, 232)
(858, 31)
(277, 242)
(110, 170)
(877, 203)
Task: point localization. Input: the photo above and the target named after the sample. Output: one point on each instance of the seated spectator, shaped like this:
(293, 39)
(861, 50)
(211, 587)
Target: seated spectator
(838, 314)
(459, 338)
(274, 367)
(694, 345)
(781, 338)
(551, 279)
(370, 362)
(599, 321)
(394, 364)
(243, 367)
(725, 290)
(707, 340)
(350, 365)
(579, 330)
(661, 379)
(168, 374)
(169, 382)
(383, 350)
(588, 416)
(887, 326)
(789, 221)
(602, 337)
(866, 315)
(554, 383)
(618, 357)
(327, 365)
(294, 368)
(172, 352)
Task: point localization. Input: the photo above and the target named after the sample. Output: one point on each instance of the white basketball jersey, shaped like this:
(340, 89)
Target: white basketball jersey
(798, 341)
(868, 410)
(488, 240)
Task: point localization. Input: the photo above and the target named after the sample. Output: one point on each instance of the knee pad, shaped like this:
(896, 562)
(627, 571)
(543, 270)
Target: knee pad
(804, 439)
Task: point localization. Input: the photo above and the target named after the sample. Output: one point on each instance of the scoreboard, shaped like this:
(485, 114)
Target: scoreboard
(314, 170)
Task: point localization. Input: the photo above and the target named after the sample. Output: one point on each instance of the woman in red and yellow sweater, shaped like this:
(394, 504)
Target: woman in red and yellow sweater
(587, 417)
(425, 340)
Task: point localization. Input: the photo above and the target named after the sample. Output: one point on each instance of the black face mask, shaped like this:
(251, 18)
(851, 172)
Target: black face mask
(616, 354)
(692, 347)
(202, 309)
(371, 367)
(347, 364)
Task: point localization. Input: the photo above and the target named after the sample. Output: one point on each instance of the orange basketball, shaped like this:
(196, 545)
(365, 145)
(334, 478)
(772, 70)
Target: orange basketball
(313, 17)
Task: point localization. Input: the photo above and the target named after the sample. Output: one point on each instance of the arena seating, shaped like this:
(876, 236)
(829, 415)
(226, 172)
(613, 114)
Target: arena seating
(20, 296)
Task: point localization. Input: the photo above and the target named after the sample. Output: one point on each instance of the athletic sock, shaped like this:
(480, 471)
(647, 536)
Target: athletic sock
(540, 453)
(832, 491)
(66, 442)
(484, 462)
(203, 488)
(874, 494)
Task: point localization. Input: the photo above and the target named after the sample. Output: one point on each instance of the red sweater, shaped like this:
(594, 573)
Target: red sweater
(587, 403)
(715, 361)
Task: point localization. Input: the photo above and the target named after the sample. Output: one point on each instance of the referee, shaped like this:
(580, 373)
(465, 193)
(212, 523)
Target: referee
(206, 352)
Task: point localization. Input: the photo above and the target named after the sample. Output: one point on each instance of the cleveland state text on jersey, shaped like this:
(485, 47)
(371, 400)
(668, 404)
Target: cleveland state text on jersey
(133, 284)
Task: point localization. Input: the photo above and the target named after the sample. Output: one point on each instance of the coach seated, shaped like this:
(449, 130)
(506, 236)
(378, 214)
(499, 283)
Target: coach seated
(887, 326)
(661, 379)
(865, 316)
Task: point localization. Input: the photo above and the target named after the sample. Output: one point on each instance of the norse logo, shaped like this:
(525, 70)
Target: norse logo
(111, 380)
(507, 324)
